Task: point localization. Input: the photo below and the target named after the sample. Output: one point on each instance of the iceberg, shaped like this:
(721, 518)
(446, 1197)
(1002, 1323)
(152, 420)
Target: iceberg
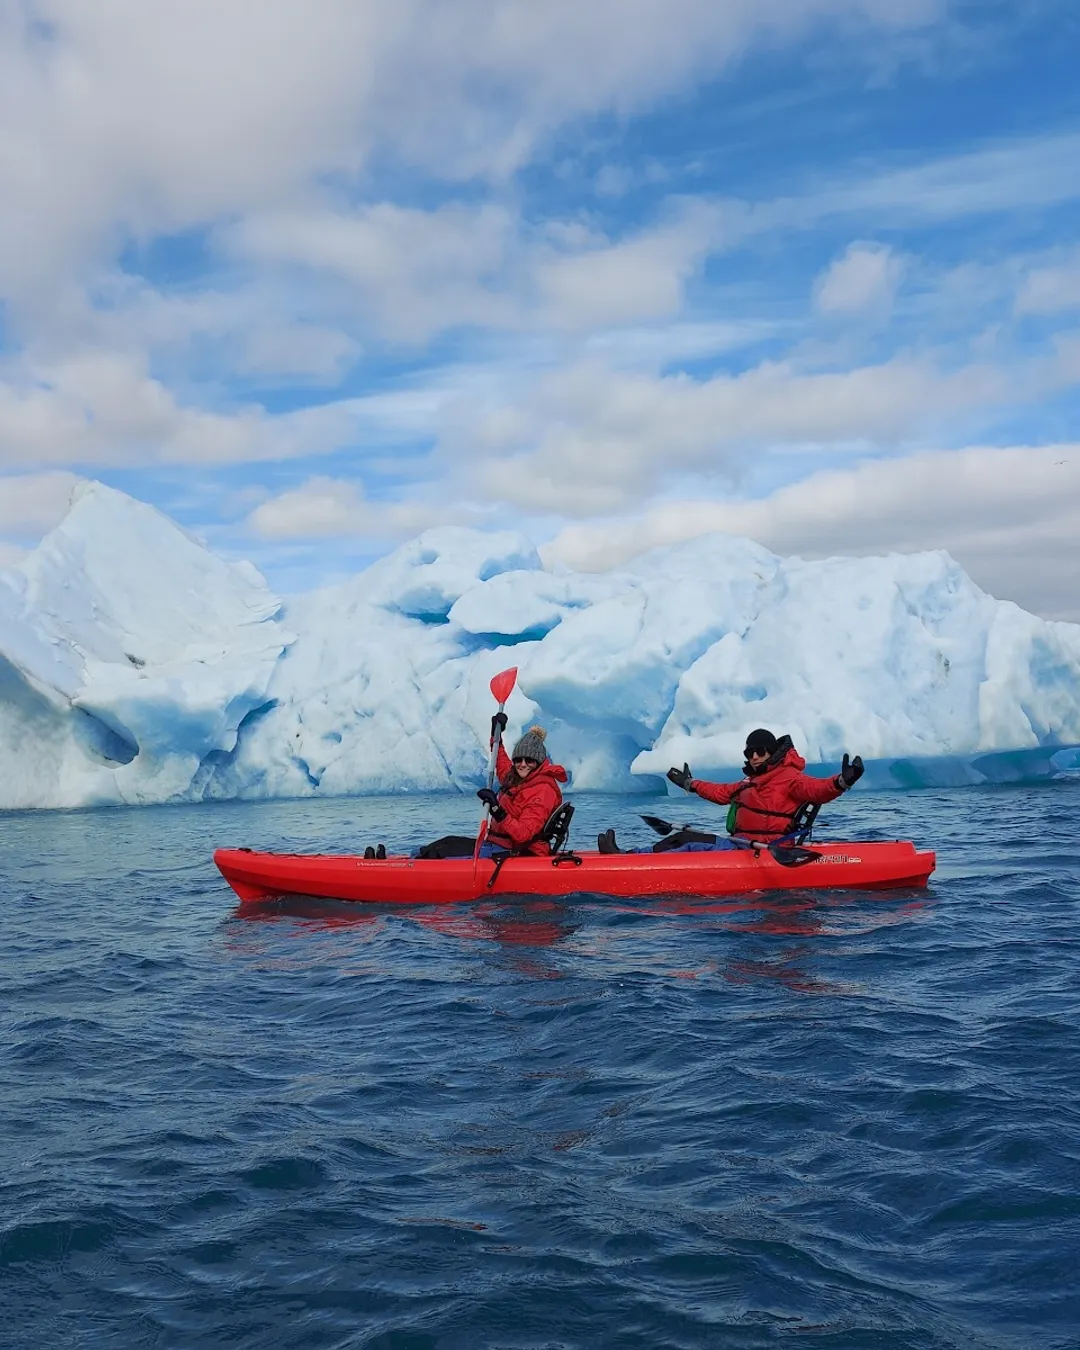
(138, 667)
(128, 652)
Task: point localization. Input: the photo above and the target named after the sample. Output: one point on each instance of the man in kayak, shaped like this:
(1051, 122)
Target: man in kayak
(529, 791)
(764, 803)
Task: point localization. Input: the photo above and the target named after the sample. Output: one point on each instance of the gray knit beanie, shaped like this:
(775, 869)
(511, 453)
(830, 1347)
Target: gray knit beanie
(531, 746)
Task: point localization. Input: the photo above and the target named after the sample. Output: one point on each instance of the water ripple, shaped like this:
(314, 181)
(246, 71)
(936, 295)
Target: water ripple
(838, 1121)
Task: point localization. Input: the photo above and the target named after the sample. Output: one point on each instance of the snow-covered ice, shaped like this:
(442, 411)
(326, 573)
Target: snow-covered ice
(128, 653)
(138, 667)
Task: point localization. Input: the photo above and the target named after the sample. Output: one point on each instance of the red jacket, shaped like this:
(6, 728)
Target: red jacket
(768, 801)
(527, 805)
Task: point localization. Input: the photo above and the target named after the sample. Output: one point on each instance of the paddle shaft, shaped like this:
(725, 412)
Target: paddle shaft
(501, 687)
(788, 855)
(485, 810)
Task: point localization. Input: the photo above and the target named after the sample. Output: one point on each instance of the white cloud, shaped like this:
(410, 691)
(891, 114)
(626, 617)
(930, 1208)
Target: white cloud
(154, 118)
(297, 351)
(862, 281)
(613, 180)
(220, 136)
(330, 508)
(1010, 515)
(636, 279)
(123, 116)
(98, 407)
(252, 329)
(417, 272)
(1025, 173)
(33, 503)
(653, 346)
(121, 120)
(1034, 171)
(101, 407)
(1049, 290)
(617, 436)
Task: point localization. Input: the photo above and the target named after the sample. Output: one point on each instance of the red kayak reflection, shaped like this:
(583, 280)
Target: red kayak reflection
(534, 923)
(544, 924)
(791, 914)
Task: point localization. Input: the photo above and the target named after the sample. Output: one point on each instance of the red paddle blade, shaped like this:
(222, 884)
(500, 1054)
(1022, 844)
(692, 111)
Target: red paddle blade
(502, 685)
(480, 837)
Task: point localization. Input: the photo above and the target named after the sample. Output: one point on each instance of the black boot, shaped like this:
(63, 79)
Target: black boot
(369, 853)
(606, 842)
(380, 851)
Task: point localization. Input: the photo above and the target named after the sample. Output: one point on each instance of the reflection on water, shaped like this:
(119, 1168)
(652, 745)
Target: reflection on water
(535, 923)
(530, 924)
(539, 924)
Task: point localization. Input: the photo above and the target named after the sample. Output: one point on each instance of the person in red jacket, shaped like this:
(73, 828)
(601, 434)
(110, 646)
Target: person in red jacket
(766, 800)
(529, 791)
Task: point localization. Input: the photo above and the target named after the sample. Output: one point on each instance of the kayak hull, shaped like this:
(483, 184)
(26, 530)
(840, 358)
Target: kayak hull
(403, 880)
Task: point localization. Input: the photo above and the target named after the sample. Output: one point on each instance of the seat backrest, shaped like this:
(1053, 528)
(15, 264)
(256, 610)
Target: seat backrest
(802, 823)
(557, 830)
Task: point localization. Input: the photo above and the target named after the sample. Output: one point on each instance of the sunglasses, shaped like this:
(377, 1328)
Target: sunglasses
(522, 760)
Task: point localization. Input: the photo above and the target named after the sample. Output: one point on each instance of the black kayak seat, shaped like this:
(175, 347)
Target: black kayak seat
(557, 830)
(802, 822)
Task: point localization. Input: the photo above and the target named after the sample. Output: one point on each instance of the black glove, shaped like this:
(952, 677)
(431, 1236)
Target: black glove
(499, 722)
(490, 798)
(850, 773)
(681, 777)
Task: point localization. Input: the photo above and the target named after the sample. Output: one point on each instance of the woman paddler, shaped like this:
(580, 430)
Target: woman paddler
(529, 790)
(528, 793)
(766, 800)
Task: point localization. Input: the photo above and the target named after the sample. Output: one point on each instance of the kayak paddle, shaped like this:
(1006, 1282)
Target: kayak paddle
(501, 686)
(662, 826)
(787, 855)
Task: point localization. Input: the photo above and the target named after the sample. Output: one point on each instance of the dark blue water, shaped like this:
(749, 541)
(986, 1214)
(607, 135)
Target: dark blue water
(830, 1121)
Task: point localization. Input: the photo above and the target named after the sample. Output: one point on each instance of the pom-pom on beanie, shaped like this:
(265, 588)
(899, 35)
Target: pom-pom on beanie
(531, 746)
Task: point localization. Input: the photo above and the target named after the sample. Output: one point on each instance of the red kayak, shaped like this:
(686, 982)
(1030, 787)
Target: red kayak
(410, 881)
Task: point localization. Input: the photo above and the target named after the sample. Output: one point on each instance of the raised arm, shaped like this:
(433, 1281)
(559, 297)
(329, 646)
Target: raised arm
(721, 793)
(713, 792)
(502, 764)
(820, 790)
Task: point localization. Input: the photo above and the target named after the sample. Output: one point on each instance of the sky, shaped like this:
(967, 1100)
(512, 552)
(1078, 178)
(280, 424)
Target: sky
(312, 276)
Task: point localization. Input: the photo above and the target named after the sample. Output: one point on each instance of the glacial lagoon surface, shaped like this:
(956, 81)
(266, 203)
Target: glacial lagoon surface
(811, 1119)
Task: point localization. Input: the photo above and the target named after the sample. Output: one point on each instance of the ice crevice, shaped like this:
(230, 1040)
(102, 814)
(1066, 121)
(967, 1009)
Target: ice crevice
(136, 666)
